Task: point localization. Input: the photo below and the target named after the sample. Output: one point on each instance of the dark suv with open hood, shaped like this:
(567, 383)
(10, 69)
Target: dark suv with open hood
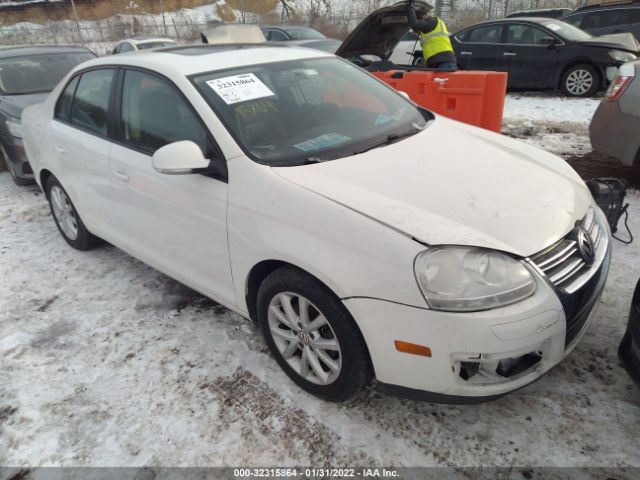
(27, 75)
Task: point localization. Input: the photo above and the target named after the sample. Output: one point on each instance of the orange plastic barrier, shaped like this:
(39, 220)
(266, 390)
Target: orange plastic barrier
(476, 98)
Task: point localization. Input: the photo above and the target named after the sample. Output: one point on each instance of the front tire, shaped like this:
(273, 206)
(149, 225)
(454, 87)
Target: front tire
(580, 81)
(312, 335)
(66, 217)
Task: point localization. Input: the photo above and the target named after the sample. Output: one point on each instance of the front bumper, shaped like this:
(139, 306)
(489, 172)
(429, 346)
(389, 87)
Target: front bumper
(479, 356)
(614, 133)
(629, 351)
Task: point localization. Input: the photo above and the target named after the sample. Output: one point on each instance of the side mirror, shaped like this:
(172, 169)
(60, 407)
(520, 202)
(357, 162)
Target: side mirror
(550, 42)
(179, 158)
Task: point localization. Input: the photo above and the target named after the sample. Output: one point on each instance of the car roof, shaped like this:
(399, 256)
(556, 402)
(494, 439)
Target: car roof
(193, 59)
(27, 50)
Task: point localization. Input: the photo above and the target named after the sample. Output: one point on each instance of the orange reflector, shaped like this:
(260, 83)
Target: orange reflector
(412, 348)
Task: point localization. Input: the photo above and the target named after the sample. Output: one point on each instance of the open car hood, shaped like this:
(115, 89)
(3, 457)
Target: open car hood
(619, 41)
(380, 32)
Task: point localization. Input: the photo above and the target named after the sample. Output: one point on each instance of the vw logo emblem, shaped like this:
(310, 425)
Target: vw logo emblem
(585, 246)
(304, 338)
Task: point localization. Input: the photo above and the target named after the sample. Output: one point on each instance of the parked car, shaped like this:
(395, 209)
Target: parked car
(27, 75)
(288, 33)
(615, 125)
(289, 185)
(541, 12)
(629, 351)
(142, 43)
(607, 18)
(544, 53)
(403, 53)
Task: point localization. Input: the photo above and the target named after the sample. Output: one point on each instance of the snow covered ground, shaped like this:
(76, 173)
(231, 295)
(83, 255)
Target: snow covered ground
(557, 124)
(106, 362)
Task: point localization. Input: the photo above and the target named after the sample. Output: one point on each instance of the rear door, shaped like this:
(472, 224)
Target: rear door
(176, 223)
(528, 57)
(479, 48)
(79, 137)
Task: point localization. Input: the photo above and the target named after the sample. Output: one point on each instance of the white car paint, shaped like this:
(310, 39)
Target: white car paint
(357, 224)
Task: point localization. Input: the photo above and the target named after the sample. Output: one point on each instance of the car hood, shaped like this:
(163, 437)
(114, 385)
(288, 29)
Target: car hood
(13, 105)
(457, 184)
(379, 33)
(619, 41)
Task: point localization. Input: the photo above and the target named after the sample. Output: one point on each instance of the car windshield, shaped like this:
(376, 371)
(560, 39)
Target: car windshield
(304, 34)
(566, 31)
(146, 45)
(308, 111)
(37, 73)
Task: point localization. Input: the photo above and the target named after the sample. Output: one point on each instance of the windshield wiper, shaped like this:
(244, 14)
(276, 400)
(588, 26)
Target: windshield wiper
(391, 138)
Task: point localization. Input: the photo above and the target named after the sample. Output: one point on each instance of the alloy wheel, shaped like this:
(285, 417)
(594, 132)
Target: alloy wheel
(304, 338)
(64, 213)
(579, 81)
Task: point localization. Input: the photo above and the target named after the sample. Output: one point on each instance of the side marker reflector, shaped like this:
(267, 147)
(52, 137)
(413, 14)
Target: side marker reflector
(412, 348)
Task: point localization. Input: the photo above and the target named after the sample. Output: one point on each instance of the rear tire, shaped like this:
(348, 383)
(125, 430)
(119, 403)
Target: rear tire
(580, 81)
(67, 220)
(312, 336)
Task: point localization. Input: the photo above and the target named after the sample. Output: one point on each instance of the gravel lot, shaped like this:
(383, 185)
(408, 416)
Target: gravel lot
(106, 362)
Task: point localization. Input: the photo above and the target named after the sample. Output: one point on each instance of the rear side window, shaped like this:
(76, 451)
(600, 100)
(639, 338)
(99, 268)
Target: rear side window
(154, 114)
(125, 47)
(575, 20)
(91, 102)
(277, 36)
(488, 34)
(63, 107)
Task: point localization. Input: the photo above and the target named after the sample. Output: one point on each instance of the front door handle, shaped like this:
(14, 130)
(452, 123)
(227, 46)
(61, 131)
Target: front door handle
(466, 53)
(59, 150)
(509, 54)
(121, 175)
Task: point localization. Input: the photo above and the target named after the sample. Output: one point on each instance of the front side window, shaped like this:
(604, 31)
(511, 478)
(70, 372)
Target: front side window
(290, 113)
(277, 36)
(37, 73)
(520, 34)
(125, 47)
(63, 107)
(154, 114)
(90, 107)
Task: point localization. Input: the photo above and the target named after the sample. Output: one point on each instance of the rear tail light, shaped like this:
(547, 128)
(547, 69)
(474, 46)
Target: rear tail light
(620, 83)
(617, 87)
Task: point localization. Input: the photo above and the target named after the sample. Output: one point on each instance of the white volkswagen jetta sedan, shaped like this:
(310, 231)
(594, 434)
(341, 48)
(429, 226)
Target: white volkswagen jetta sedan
(367, 236)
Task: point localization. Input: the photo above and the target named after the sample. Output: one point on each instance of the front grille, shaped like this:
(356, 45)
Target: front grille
(577, 278)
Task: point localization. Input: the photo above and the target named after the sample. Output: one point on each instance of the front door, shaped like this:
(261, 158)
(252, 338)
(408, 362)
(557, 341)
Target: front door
(176, 223)
(529, 58)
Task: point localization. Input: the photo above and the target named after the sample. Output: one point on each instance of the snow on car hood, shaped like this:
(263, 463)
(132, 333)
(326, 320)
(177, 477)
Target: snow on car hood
(619, 41)
(379, 33)
(456, 184)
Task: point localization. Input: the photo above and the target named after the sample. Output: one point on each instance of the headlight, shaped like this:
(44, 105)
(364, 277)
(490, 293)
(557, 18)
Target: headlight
(466, 279)
(620, 56)
(15, 128)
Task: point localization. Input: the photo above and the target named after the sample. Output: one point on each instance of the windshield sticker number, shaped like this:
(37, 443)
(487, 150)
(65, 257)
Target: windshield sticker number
(240, 88)
(323, 141)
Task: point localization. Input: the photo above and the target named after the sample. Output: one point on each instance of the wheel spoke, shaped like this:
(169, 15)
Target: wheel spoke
(303, 308)
(326, 344)
(318, 322)
(285, 301)
(327, 360)
(287, 335)
(281, 317)
(315, 365)
(288, 352)
(57, 200)
(304, 365)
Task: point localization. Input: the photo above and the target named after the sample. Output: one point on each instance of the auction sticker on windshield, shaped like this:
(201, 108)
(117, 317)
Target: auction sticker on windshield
(240, 88)
(323, 141)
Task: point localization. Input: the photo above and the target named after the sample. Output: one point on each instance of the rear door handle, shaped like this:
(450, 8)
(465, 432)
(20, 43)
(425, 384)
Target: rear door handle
(59, 150)
(509, 54)
(466, 53)
(121, 175)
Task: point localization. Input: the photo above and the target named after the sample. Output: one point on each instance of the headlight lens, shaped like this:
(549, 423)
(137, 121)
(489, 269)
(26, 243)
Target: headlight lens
(466, 279)
(15, 128)
(621, 56)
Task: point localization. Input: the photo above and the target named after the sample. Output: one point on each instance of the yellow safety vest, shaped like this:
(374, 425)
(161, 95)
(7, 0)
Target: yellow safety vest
(436, 41)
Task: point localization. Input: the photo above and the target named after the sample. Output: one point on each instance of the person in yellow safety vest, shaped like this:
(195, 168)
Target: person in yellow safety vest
(434, 38)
